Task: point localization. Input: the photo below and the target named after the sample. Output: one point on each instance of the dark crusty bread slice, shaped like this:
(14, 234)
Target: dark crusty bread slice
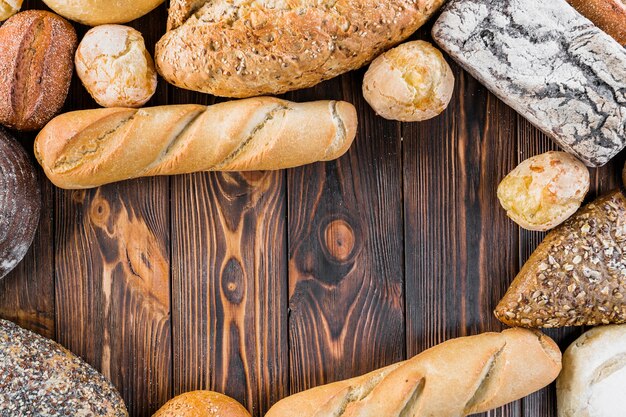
(577, 276)
(38, 377)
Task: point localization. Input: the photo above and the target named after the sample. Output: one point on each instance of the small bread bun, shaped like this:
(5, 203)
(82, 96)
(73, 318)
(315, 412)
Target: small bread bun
(8, 8)
(202, 404)
(410, 83)
(115, 67)
(594, 374)
(544, 191)
(102, 12)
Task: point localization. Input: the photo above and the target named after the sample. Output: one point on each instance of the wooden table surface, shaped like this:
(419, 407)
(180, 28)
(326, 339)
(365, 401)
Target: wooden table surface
(263, 284)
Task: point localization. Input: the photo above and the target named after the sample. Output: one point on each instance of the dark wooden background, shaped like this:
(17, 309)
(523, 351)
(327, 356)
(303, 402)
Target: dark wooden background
(264, 284)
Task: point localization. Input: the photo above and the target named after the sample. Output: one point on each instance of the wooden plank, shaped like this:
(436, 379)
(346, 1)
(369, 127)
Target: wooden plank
(460, 248)
(533, 142)
(229, 268)
(113, 272)
(345, 252)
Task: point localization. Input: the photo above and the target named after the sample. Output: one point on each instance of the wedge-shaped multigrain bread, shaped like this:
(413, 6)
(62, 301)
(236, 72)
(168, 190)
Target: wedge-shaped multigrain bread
(577, 276)
(238, 48)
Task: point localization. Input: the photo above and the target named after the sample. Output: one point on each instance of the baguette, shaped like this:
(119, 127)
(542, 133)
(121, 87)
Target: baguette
(459, 377)
(243, 49)
(90, 148)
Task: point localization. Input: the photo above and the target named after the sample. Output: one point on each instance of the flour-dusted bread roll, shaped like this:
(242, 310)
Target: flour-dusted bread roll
(202, 404)
(8, 8)
(115, 67)
(90, 148)
(242, 49)
(101, 12)
(38, 377)
(459, 377)
(544, 190)
(593, 380)
(36, 65)
(410, 83)
(608, 15)
(20, 203)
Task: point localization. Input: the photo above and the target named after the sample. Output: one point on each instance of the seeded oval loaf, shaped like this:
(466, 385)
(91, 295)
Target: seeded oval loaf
(38, 377)
(248, 48)
(202, 404)
(20, 203)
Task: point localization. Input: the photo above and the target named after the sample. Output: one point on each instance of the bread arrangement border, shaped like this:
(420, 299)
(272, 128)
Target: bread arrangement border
(561, 65)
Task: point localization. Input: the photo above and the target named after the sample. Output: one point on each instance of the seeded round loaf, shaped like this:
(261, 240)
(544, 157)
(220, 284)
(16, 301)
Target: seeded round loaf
(8, 8)
(20, 203)
(202, 404)
(115, 67)
(410, 83)
(544, 191)
(101, 12)
(38, 377)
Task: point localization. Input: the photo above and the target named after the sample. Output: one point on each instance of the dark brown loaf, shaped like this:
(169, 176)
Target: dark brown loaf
(36, 64)
(243, 49)
(38, 377)
(20, 203)
(577, 275)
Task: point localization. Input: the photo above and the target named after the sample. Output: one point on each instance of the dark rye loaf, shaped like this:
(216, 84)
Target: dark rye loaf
(38, 377)
(549, 63)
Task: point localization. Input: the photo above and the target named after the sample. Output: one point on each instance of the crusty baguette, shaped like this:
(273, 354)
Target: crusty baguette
(90, 148)
(459, 377)
(242, 49)
(608, 15)
(575, 277)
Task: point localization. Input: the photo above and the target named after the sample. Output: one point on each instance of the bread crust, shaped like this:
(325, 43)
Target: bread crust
(8, 8)
(608, 15)
(459, 377)
(243, 49)
(101, 12)
(90, 148)
(202, 404)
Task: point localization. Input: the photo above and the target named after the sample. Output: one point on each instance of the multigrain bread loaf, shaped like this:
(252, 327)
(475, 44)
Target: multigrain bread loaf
(93, 147)
(577, 275)
(593, 380)
(459, 377)
(115, 67)
(36, 64)
(38, 377)
(544, 190)
(608, 15)
(101, 12)
(248, 48)
(202, 404)
(20, 203)
(410, 83)
(8, 8)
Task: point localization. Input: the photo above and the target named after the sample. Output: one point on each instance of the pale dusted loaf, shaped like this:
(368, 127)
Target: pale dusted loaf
(101, 12)
(459, 377)
(202, 404)
(247, 48)
(593, 381)
(90, 148)
(608, 15)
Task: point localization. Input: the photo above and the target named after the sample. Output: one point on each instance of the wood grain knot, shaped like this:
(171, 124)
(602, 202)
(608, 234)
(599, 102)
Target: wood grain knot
(99, 211)
(339, 240)
(233, 286)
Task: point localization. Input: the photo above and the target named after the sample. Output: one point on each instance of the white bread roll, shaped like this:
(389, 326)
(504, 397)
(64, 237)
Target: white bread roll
(593, 381)
(461, 376)
(101, 12)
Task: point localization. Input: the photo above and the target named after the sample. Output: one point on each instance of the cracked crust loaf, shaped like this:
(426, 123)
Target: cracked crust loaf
(41, 378)
(101, 12)
(593, 380)
(246, 48)
(409, 83)
(202, 404)
(114, 66)
(608, 15)
(462, 376)
(577, 275)
(89, 148)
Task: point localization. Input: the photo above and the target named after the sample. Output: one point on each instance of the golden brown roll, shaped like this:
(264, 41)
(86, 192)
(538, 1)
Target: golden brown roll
(100, 12)
(202, 404)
